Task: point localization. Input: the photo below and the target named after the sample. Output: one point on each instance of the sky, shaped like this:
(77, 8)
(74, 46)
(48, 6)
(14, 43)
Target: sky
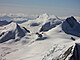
(56, 7)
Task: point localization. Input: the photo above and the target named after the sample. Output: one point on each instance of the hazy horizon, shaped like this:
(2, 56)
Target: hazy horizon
(33, 7)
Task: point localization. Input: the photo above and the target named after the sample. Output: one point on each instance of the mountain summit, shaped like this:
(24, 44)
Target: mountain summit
(71, 26)
(11, 31)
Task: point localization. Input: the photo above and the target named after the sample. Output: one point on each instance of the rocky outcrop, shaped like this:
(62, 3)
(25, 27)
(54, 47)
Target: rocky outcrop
(51, 23)
(76, 52)
(2, 23)
(71, 26)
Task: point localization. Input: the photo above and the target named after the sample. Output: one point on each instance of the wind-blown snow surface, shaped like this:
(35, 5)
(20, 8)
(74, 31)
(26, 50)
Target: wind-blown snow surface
(56, 46)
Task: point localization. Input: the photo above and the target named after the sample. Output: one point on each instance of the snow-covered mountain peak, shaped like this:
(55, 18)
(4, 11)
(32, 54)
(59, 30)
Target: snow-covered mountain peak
(71, 26)
(43, 17)
(11, 31)
(46, 39)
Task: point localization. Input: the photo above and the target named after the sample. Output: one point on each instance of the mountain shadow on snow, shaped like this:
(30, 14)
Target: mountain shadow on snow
(71, 26)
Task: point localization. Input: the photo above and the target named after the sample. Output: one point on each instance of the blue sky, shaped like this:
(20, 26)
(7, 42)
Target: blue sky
(57, 7)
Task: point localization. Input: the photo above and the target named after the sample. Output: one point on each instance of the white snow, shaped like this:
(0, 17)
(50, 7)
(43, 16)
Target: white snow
(28, 48)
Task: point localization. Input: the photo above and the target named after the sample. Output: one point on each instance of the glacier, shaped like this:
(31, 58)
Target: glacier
(46, 37)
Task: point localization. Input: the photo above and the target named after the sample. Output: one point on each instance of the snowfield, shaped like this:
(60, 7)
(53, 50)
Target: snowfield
(43, 38)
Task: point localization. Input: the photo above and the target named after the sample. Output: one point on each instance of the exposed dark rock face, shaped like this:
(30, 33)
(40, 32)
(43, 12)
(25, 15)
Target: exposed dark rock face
(71, 26)
(8, 35)
(20, 31)
(35, 24)
(73, 38)
(49, 25)
(4, 22)
(46, 27)
(26, 30)
(76, 52)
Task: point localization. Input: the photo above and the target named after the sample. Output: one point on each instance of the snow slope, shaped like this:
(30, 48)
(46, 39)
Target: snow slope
(57, 46)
